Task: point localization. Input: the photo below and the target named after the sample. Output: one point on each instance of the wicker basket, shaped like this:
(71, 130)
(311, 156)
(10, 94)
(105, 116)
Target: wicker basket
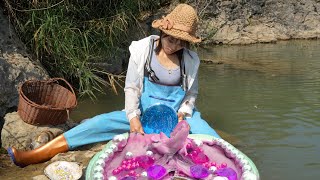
(46, 102)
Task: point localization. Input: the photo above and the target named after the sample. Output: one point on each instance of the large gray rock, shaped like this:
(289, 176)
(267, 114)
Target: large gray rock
(257, 21)
(24, 136)
(15, 66)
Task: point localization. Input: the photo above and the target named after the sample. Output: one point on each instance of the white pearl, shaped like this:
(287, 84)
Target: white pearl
(221, 140)
(98, 176)
(113, 147)
(109, 151)
(212, 169)
(100, 162)
(244, 162)
(214, 141)
(246, 168)
(98, 169)
(220, 178)
(234, 153)
(112, 178)
(149, 153)
(144, 174)
(198, 142)
(249, 176)
(239, 158)
(223, 145)
(118, 138)
(103, 156)
(129, 155)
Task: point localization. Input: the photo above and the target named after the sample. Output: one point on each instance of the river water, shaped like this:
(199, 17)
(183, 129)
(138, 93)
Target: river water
(266, 95)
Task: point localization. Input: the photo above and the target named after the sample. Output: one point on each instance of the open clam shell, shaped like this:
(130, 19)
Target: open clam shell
(63, 170)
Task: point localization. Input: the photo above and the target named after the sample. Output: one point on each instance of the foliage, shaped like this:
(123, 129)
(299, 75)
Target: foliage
(69, 36)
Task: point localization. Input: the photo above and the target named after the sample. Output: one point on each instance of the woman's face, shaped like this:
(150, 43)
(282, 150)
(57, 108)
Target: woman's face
(170, 45)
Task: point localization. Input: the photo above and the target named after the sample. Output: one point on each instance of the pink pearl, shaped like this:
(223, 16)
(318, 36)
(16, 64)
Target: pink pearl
(128, 167)
(124, 162)
(132, 173)
(213, 164)
(223, 165)
(115, 172)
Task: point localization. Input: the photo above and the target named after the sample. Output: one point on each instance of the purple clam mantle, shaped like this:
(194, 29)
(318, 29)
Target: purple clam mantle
(227, 172)
(199, 171)
(156, 172)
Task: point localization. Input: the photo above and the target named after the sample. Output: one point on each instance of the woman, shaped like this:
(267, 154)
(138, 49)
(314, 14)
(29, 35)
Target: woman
(161, 69)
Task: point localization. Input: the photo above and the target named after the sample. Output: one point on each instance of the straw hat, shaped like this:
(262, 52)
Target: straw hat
(181, 23)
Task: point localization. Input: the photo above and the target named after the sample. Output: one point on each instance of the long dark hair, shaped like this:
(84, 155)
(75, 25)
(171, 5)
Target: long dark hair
(179, 53)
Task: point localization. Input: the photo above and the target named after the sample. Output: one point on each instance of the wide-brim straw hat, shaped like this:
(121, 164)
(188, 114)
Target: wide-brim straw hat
(181, 23)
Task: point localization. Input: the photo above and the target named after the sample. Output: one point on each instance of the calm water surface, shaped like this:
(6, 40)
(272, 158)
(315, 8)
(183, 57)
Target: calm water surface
(267, 95)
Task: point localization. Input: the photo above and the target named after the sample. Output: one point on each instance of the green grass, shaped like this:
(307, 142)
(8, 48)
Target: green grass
(68, 36)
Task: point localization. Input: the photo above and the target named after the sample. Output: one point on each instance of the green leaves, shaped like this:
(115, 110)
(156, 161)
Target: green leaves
(68, 36)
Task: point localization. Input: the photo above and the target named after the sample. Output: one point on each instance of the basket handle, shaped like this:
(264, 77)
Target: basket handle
(65, 81)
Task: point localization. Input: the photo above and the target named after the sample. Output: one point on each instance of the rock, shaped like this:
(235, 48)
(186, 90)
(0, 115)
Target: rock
(40, 177)
(24, 136)
(15, 66)
(247, 22)
(36, 171)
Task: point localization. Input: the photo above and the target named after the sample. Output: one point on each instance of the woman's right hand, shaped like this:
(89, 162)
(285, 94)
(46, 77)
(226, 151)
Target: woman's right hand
(135, 125)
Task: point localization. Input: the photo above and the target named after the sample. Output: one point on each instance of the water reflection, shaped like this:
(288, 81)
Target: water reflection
(267, 95)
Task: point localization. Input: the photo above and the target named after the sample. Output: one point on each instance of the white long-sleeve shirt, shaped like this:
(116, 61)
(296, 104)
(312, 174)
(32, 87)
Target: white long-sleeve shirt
(135, 74)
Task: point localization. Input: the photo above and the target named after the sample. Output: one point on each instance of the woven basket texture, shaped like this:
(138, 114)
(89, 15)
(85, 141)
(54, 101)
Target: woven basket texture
(46, 102)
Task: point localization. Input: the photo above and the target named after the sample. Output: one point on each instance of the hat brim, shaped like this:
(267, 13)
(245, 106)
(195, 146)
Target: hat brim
(180, 35)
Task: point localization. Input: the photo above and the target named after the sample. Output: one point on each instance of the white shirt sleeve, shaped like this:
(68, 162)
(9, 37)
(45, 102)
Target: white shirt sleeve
(132, 89)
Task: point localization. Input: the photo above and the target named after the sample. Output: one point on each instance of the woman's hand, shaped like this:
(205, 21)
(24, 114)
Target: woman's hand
(180, 116)
(135, 125)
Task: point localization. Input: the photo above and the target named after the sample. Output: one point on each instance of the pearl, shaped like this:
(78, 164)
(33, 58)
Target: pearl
(144, 174)
(115, 171)
(149, 153)
(103, 156)
(240, 158)
(198, 142)
(212, 169)
(118, 138)
(244, 162)
(98, 176)
(112, 178)
(100, 162)
(109, 151)
(223, 165)
(98, 169)
(129, 155)
(113, 147)
(246, 168)
(132, 173)
(234, 153)
(220, 178)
